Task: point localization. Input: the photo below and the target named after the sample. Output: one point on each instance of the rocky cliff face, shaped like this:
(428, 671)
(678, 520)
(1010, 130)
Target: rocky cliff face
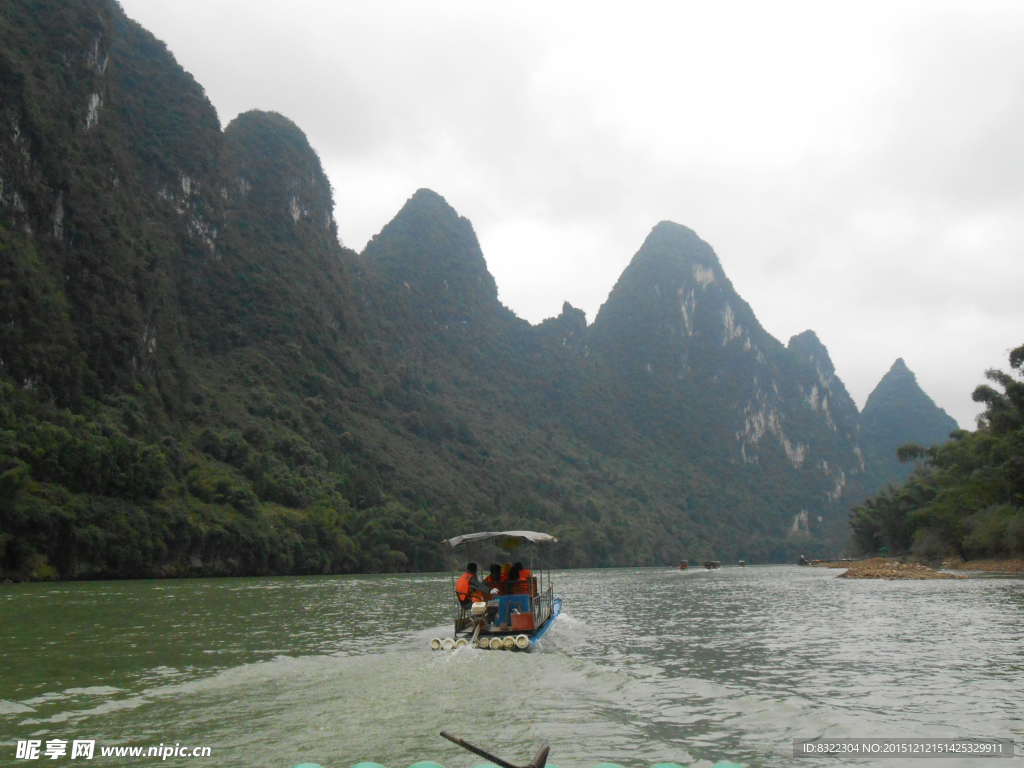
(829, 393)
(261, 257)
(97, 120)
(675, 327)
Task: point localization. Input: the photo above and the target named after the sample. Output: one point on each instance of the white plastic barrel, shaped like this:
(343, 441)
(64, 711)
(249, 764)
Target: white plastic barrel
(435, 644)
(448, 644)
(522, 642)
(508, 642)
(496, 644)
(461, 642)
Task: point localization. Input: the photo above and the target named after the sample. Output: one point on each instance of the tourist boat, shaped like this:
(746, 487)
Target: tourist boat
(684, 564)
(506, 621)
(711, 565)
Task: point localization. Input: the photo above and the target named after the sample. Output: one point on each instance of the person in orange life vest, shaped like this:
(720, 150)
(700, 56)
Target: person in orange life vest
(520, 580)
(514, 585)
(493, 581)
(469, 589)
(505, 568)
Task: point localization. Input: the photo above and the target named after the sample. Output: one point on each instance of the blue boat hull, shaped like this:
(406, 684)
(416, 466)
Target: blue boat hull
(556, 608)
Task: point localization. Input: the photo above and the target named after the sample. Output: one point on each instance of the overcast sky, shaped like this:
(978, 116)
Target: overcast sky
(858, 167)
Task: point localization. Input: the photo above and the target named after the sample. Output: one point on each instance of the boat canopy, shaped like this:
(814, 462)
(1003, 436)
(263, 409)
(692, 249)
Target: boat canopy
(509, 539)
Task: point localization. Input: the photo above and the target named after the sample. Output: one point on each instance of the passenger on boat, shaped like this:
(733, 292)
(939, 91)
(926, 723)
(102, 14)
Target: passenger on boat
(505, 568)
(520, 580)
(531, 583)
(469, 588)
(493, 581)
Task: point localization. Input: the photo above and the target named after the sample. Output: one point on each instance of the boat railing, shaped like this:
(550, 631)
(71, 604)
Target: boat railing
(542, 606)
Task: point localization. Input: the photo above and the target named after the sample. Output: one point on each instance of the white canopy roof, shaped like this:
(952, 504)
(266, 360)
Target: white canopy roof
(510, 539)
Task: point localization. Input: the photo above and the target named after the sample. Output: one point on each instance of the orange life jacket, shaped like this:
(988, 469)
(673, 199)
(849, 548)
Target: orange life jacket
(462, 590)
(524, 585)
(462, 586)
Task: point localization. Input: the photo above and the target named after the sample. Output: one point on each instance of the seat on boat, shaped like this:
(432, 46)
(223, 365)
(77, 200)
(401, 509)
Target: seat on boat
(506, 603)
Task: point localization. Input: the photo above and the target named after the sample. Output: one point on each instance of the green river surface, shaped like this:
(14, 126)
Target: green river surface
(643, 666)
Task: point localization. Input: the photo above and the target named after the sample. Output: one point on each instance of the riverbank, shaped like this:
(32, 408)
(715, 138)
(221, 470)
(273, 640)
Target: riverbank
(987, 566)
(890, 570)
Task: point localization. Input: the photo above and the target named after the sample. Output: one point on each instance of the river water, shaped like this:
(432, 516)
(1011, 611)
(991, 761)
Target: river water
(643, 666)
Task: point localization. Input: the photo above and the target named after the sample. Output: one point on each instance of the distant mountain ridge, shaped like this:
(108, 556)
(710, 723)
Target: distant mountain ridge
(898, 412)
(197, 378)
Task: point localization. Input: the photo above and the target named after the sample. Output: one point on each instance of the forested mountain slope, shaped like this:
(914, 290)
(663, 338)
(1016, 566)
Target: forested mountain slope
(197, 378)
(898, 412)
(963, 498)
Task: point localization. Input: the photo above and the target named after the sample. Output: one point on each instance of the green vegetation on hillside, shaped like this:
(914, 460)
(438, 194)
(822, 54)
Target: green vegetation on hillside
(964, 498)
(897, 412)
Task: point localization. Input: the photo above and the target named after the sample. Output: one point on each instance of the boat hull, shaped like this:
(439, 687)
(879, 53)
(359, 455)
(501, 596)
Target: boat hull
(534, 635)
(556, 608)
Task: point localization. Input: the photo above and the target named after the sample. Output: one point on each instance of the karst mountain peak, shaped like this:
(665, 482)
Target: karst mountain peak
(677, 285)
(428, 247)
